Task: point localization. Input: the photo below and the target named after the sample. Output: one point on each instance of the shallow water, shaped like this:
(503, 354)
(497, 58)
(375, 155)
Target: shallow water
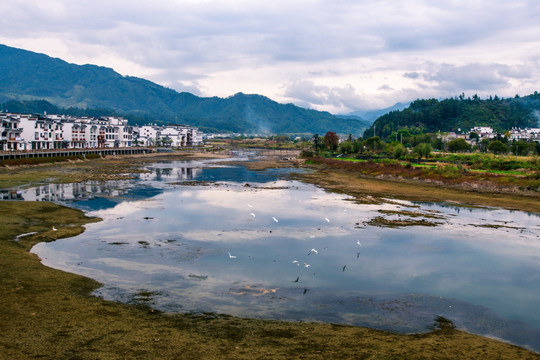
(241, 243)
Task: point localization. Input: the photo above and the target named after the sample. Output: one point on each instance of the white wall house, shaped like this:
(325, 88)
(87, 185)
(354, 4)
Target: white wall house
(10, 132)
(175, 136)
(484, 132)
(147, 135)
(41, 132)
(528, 134)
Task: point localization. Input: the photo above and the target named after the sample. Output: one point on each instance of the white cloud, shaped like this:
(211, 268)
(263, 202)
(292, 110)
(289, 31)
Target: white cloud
(330, 55)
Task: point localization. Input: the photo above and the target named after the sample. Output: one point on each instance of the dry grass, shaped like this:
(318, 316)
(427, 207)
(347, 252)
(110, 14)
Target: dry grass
(370, 189)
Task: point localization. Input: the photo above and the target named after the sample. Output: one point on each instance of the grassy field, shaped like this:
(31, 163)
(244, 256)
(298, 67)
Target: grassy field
(50, 314)
(448, 182)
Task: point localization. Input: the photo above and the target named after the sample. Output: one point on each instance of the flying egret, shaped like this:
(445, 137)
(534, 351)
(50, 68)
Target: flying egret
(231, 256)
(312, 251)
(306, 265)
(358, 243)
(296, 262)
(311, 236)
(252, 214)
(276, 220)
(327, 219)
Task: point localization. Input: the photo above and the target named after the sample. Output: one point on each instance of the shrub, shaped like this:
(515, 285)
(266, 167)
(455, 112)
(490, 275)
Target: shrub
(497, 147)
(458, 145)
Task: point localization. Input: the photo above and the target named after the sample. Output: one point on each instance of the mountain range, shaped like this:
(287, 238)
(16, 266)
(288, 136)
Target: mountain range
(28, 78)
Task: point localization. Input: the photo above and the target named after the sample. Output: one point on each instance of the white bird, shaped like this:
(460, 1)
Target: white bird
(312, 251)
(306, 265)
(231, 256)
(252, 214)
(276, 220)
(358, 243)
(311, 236)
(54, 229)
(249, 205)
(296, 262)
(327, 219)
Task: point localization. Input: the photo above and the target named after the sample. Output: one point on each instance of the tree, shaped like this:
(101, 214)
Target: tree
(423, 150)
(521, 147)
(316, 142)
(475, 136)
(397, 150)
(458, 145)
(483, 147)
(497, 147)
(437, 143)
(331, 140)
(374, 143)
(346, 147)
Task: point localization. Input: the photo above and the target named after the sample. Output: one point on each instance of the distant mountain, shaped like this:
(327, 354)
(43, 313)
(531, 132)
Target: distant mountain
(372, 115)
(26, 75)
(447, 115)
(364, 123)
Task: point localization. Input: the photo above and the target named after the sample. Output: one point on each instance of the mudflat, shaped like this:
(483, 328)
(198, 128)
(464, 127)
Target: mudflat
(50, 314)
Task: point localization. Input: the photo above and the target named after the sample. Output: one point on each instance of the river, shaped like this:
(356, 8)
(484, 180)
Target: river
(200, 236)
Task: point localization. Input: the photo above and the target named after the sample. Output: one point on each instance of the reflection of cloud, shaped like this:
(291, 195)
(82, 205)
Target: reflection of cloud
(126, 208)
(141, 266)
(262, 236)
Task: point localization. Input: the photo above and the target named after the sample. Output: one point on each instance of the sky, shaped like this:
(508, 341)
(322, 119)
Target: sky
(337, 55)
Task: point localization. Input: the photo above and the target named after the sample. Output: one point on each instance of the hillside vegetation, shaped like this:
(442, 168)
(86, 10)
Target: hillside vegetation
(447, 115)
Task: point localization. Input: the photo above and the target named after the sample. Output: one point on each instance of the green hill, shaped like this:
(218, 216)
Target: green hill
(26, 75)
(447, 115)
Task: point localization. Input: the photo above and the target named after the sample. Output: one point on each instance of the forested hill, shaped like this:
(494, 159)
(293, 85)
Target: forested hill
(460, 113)
(26, 75)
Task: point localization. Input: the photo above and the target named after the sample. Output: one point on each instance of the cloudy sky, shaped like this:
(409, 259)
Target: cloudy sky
(335, 55)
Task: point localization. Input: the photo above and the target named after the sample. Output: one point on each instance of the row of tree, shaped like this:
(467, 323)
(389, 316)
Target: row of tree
(421, 145)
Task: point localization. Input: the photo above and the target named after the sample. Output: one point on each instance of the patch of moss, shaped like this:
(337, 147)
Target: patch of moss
(390, 223)
(413, 214)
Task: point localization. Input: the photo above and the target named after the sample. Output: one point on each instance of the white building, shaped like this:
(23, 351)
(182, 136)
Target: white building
(41, 132)
(528, 134)
(484, 132)
(175, 136)
(147, 135)
(10, 133)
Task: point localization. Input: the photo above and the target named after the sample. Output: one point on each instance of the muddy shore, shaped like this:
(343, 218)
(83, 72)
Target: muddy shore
(49, 314)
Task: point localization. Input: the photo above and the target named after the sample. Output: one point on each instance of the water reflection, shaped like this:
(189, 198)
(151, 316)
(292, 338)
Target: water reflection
(168, 245)
(65, 192)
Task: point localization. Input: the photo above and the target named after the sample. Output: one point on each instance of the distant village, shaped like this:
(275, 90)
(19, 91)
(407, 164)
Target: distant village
(528, 134)
(43, 132)
(23, 132)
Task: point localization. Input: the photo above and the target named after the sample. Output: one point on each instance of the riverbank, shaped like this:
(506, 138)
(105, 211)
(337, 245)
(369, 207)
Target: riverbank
(50, 314)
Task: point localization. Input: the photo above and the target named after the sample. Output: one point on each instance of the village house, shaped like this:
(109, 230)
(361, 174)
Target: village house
(175, 136)
(45, 132)
(40, 133)
(10, 133)
(484, 132)
(528, 134)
